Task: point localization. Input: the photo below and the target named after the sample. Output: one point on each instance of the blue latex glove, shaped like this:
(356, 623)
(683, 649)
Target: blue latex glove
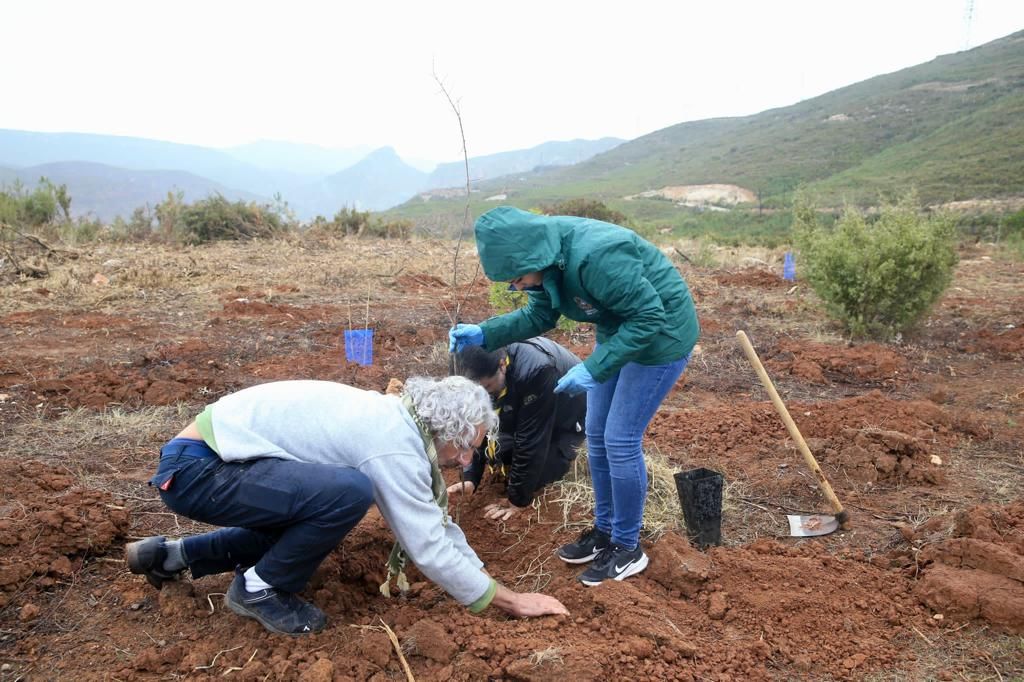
(576, 380)
(462, 335)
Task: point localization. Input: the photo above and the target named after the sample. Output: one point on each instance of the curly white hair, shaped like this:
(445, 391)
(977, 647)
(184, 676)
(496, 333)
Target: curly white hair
(453, 408)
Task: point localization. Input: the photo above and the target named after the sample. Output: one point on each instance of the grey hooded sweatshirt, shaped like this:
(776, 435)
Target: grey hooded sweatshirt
(331, 423)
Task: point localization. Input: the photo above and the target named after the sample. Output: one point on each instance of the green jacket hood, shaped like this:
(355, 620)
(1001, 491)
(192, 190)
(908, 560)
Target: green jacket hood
(512, 242)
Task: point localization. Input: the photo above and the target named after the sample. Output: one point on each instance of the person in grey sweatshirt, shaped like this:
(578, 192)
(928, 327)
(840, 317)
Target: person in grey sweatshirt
(290, 467)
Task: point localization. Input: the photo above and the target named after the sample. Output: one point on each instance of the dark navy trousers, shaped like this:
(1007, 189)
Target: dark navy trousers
(281, 516)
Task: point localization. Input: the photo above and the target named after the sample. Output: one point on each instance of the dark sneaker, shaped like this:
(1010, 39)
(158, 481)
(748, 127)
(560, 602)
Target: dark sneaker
(614, 563)
(146, 557)
(276, 610)
(586, 547)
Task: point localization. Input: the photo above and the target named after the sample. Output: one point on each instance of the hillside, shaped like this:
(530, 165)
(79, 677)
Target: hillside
(19, 148)
(948, 127)
(378, 181)
(520, 161)
(303, 159)
(312, 179)
(106, 191)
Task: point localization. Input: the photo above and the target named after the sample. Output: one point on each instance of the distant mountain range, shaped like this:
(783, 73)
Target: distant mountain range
(107, 191)
(952, 129)
(545, 155)
(109, 175)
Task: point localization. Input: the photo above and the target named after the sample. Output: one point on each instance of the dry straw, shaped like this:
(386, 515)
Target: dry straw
(662, 512)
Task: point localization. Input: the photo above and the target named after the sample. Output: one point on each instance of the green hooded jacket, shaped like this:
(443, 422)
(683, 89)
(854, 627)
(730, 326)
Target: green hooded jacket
(593, 272)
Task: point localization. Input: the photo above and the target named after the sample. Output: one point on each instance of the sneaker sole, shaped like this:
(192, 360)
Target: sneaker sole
(581, 560)
(632, 569)
(246, 613)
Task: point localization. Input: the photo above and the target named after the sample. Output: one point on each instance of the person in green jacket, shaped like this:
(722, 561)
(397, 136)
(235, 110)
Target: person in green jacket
(592, 271)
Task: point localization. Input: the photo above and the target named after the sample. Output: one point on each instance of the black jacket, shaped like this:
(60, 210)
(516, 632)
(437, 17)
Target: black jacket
(539, 429)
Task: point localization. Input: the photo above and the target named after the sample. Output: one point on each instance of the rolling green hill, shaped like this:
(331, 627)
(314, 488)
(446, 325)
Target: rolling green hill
(951, 128)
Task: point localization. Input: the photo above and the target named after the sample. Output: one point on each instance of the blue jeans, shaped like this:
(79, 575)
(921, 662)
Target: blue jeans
(618, 412)
(283, 517)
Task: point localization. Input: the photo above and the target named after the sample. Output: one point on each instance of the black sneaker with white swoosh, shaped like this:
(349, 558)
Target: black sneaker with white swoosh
(615, 562)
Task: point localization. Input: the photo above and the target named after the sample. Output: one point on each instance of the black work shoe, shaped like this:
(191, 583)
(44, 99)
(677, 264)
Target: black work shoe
(586, 547)
(615, 562)
(146, 557)
(276, 610)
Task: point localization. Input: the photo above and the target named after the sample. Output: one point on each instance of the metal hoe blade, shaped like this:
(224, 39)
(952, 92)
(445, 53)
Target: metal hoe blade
(812, 525)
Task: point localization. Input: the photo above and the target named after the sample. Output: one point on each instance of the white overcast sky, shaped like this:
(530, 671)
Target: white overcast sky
(343, 74)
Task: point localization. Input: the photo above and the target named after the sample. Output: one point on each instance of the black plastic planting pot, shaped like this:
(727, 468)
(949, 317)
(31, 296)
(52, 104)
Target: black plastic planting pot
(700, 494)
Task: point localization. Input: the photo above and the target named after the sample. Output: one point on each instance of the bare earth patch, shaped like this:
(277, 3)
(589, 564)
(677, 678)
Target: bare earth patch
(693, 195)
(920, 440)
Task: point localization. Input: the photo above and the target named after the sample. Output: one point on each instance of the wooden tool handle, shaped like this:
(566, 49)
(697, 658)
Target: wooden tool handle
(841, 515)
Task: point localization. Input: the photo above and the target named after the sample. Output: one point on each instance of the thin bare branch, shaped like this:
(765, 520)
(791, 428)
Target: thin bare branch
(454, 314)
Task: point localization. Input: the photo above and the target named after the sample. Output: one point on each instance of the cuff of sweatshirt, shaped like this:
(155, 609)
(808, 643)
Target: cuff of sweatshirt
(204, 423)
(485, 601)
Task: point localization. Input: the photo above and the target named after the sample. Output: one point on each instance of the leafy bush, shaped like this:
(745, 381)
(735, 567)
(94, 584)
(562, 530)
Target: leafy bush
(216, 218)
(82, 230)
(168, 214)
(139, 227)
(350, 222)
(391, 229)
(504, 300)
(46, 204)
(879, 277)
(1012, 232)
(586, 208)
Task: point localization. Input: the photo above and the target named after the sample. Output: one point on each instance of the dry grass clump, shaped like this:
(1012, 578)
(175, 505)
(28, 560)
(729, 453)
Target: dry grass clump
(67, 281)
(550, 655)
(745, 520)
(704, 253)
(970, 652)
(124, 440)
(662, 512)
(323, 271)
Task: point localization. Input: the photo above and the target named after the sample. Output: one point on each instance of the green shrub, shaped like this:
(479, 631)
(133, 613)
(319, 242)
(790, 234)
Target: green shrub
(707, 255)
(586, 208)
(877, 277)
(504, 300)
(168, 214)
(390, 229)
(82, 230)
(47, 204)
(349, 221)
(1012, 232)
(216, 218)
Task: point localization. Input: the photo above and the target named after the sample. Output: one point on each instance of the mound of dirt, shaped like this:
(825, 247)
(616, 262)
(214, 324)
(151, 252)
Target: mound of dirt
(276, 314)
(421, 281)
(1006, 344)
(326, 365)
(746, 428)
(870, 363)
(163, 376)
(47, 525)
(870, 455)
(979, 571)
(798, 608)
(753, 277)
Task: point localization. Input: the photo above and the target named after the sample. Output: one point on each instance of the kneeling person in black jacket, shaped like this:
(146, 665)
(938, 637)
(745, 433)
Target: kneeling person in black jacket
(539, 430)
